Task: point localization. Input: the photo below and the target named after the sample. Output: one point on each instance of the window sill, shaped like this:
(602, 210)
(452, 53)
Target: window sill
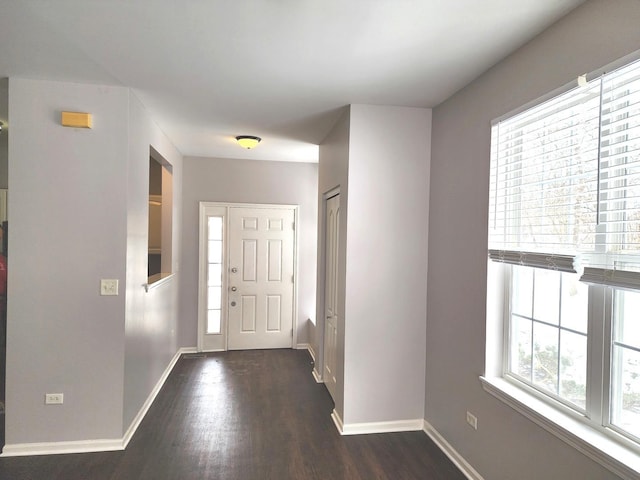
(614, 456)
(157, 280)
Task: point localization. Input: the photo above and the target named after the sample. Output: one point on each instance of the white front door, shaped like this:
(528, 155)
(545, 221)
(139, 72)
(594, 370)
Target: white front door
(261, 277)
(247, 283)
(332, 223)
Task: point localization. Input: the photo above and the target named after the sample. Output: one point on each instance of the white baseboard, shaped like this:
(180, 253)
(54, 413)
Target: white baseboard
(376, 427)
(309, 348)
(86, 446)
(457, 459)
(335, 416)
(407, 426)
(58, 448)
(154, 393)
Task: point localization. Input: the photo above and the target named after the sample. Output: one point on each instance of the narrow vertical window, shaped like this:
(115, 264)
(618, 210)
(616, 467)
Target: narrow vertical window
(214, 274)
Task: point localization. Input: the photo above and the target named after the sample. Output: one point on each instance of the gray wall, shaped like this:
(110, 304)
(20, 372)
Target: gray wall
(333, 172)
(386, 263)
(506, 445)
(78, 213)
(379, 157)
(248, 181)
(152, 326)
(68, 230)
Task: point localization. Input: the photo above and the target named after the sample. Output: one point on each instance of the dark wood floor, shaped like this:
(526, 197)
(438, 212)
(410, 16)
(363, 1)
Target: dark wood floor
(244, 416)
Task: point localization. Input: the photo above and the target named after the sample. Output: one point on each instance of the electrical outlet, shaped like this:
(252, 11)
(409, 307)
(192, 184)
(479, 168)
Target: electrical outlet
(53, 398)
(109, 286)
(472, 420)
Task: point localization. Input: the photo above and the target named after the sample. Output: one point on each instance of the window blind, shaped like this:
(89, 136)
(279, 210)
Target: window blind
(611, 278)
(565, 176)
(618, 240)
(544, 171)
(561, 263)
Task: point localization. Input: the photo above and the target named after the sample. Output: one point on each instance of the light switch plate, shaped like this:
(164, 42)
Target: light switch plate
(472, 420)
(109, 286)
(54, 398)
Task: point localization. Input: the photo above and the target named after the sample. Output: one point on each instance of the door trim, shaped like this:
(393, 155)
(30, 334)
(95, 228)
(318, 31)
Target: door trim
(223, 208)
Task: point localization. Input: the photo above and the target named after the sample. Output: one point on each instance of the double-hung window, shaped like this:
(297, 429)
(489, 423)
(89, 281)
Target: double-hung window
(564, 239)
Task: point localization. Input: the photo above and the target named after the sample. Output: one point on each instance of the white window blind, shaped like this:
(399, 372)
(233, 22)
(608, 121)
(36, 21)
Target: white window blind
(565, 177)
(544, 171)
(618, 241)
(561, 263)
(612, 278)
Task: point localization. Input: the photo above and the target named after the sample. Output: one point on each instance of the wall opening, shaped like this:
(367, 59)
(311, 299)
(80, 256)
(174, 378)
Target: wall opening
(159, 263)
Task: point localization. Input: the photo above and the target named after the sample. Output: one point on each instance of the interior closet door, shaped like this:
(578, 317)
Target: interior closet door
(332, 223)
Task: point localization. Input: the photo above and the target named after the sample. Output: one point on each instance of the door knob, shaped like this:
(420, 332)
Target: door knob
(234, 270)
(233, 304)
(233, 289)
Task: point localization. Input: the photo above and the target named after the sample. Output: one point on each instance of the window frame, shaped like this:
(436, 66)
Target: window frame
(635, 439)
(212, 342)
(506, 359)
(591, 431)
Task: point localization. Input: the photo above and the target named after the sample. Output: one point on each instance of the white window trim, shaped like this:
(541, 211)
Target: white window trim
(615, 457)
(604, 446)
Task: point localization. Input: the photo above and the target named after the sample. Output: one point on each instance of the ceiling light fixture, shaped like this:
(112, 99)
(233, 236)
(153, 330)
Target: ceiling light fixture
(247, 141)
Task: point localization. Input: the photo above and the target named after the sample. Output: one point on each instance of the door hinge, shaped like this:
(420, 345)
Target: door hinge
(293, 279)
(293, 226)
(292, 332)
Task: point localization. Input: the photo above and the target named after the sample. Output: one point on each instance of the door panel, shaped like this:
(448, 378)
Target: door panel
(260, 294)
(249, 260)
(248, 314)
(331, 293)
(275, 261)
(274, 313)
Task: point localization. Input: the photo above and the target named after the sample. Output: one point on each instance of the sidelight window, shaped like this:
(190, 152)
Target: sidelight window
(214, 274)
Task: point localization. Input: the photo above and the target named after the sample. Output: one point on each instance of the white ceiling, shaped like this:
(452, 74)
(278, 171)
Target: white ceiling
(208, 70)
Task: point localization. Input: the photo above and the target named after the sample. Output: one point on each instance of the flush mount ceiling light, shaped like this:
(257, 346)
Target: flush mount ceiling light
(247, 141)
